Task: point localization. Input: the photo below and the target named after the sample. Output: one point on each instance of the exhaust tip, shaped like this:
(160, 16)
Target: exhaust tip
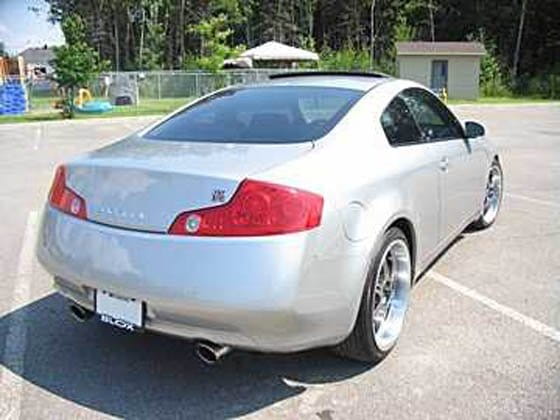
(210, 353)
(80, 313)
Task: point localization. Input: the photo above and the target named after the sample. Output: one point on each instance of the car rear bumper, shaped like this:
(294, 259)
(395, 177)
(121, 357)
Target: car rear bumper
(278, 293)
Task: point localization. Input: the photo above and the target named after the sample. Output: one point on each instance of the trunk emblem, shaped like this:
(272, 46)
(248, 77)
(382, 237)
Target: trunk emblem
(192, 223)
(119, 213)
(219, 196)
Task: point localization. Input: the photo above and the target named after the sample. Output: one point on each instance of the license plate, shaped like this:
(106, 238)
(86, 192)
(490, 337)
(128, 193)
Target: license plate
(119, 311)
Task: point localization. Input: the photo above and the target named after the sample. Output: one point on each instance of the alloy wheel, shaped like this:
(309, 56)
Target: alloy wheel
(391, 294)
(493, 197)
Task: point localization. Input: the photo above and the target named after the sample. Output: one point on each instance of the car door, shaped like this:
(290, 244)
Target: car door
(418, 179)
(457, 163)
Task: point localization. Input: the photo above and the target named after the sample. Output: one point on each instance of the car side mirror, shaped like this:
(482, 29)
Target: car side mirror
(474, 130)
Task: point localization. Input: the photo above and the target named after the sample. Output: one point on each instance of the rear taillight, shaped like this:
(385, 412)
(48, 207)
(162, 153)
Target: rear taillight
(256, 209)
(63, 198)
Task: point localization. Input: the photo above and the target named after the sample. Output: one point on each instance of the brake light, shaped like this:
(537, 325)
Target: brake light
(256, 209)
(63, 198)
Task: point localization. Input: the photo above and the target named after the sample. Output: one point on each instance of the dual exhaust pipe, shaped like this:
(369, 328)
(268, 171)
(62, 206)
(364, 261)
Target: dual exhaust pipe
(79, 313)
(210, 353)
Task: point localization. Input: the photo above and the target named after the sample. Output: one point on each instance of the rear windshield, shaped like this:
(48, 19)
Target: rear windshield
(270, 114)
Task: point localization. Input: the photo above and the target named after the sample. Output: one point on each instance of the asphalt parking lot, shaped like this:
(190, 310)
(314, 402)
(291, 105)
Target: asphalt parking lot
(482, 338)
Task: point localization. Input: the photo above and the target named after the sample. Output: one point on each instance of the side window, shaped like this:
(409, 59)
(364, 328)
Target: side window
(399, 125)
(433, 118)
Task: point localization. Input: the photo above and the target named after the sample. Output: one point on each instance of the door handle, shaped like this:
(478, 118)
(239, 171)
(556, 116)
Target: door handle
(444, 164)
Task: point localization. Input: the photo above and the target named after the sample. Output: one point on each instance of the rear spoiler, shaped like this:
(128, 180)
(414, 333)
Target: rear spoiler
(328, 73)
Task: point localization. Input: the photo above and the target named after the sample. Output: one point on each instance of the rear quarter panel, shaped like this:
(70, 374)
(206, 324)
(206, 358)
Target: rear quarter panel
(366, 185)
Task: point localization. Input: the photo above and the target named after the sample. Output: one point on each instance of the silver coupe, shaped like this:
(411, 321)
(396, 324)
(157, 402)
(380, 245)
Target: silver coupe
(281, 216)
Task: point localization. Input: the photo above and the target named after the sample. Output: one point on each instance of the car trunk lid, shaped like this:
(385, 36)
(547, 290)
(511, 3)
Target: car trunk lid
(144, 184)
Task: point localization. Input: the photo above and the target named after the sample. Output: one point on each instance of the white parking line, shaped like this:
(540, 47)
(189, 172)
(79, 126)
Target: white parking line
(535, 325)
(14, 348)
(533, 200)
(38, 136)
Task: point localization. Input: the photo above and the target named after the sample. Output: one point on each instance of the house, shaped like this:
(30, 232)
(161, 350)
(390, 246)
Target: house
(38, 60)
(453, 66)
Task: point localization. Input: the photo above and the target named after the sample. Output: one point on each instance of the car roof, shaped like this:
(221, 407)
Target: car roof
(361, 81)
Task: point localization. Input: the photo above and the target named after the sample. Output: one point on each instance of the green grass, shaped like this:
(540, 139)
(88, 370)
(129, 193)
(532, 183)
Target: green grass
(42, 112)
(30, 117)
(502, 100)
(42, 102)
(148, 107)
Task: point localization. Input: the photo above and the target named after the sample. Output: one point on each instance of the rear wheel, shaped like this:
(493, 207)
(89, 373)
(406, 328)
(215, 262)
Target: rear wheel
(384, 302)
(492, 197)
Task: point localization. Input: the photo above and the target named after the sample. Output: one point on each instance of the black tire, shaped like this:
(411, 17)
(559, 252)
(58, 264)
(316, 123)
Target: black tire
(361, 345)
(483, 222)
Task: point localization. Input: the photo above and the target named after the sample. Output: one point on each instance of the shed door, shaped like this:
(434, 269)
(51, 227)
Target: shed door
(439, 75)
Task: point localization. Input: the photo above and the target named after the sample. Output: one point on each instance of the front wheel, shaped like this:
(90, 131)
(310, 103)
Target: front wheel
(384, 302)
(492, 197)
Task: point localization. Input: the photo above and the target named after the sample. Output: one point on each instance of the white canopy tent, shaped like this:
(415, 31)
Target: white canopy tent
(276, 51)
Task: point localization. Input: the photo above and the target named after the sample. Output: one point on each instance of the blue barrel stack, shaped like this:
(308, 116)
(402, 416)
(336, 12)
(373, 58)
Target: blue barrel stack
(12, 98)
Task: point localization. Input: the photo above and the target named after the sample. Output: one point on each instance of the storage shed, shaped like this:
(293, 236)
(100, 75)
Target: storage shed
(453, 66)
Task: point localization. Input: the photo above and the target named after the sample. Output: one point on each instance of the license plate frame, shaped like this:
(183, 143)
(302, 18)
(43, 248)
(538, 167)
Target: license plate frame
(120, 311)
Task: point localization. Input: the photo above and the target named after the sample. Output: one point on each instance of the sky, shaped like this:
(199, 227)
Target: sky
(21, 28)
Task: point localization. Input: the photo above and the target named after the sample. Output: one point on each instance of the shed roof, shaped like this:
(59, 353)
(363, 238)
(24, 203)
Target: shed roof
(273, 50)
(440, 48)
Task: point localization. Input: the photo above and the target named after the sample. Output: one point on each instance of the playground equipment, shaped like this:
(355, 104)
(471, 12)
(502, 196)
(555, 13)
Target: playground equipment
(84, 102)
(444, 95)
(13, 94)
(123, 89)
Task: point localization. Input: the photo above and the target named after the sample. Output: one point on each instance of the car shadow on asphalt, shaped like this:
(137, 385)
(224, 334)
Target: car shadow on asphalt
(453, 243)
(148, 375)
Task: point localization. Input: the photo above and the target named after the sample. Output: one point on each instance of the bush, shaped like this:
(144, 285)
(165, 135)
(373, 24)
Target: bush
(351, 59)
(493, 79)
(345, 59)
(542, 86)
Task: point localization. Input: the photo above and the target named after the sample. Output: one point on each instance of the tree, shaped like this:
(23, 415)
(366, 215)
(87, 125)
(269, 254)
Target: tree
(432, 24)
(75, 64)
(213, 34)
(163, 34)
(151, 54)
(372, 32)
(2, 49)
(519, 38)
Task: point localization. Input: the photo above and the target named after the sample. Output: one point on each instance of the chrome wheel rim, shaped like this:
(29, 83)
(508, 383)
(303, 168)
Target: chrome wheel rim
(391, 294)
(493, 196)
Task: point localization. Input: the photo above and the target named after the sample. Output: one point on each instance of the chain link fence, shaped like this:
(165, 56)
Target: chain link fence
(151, 86)
(176, 87)
(159, 85)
